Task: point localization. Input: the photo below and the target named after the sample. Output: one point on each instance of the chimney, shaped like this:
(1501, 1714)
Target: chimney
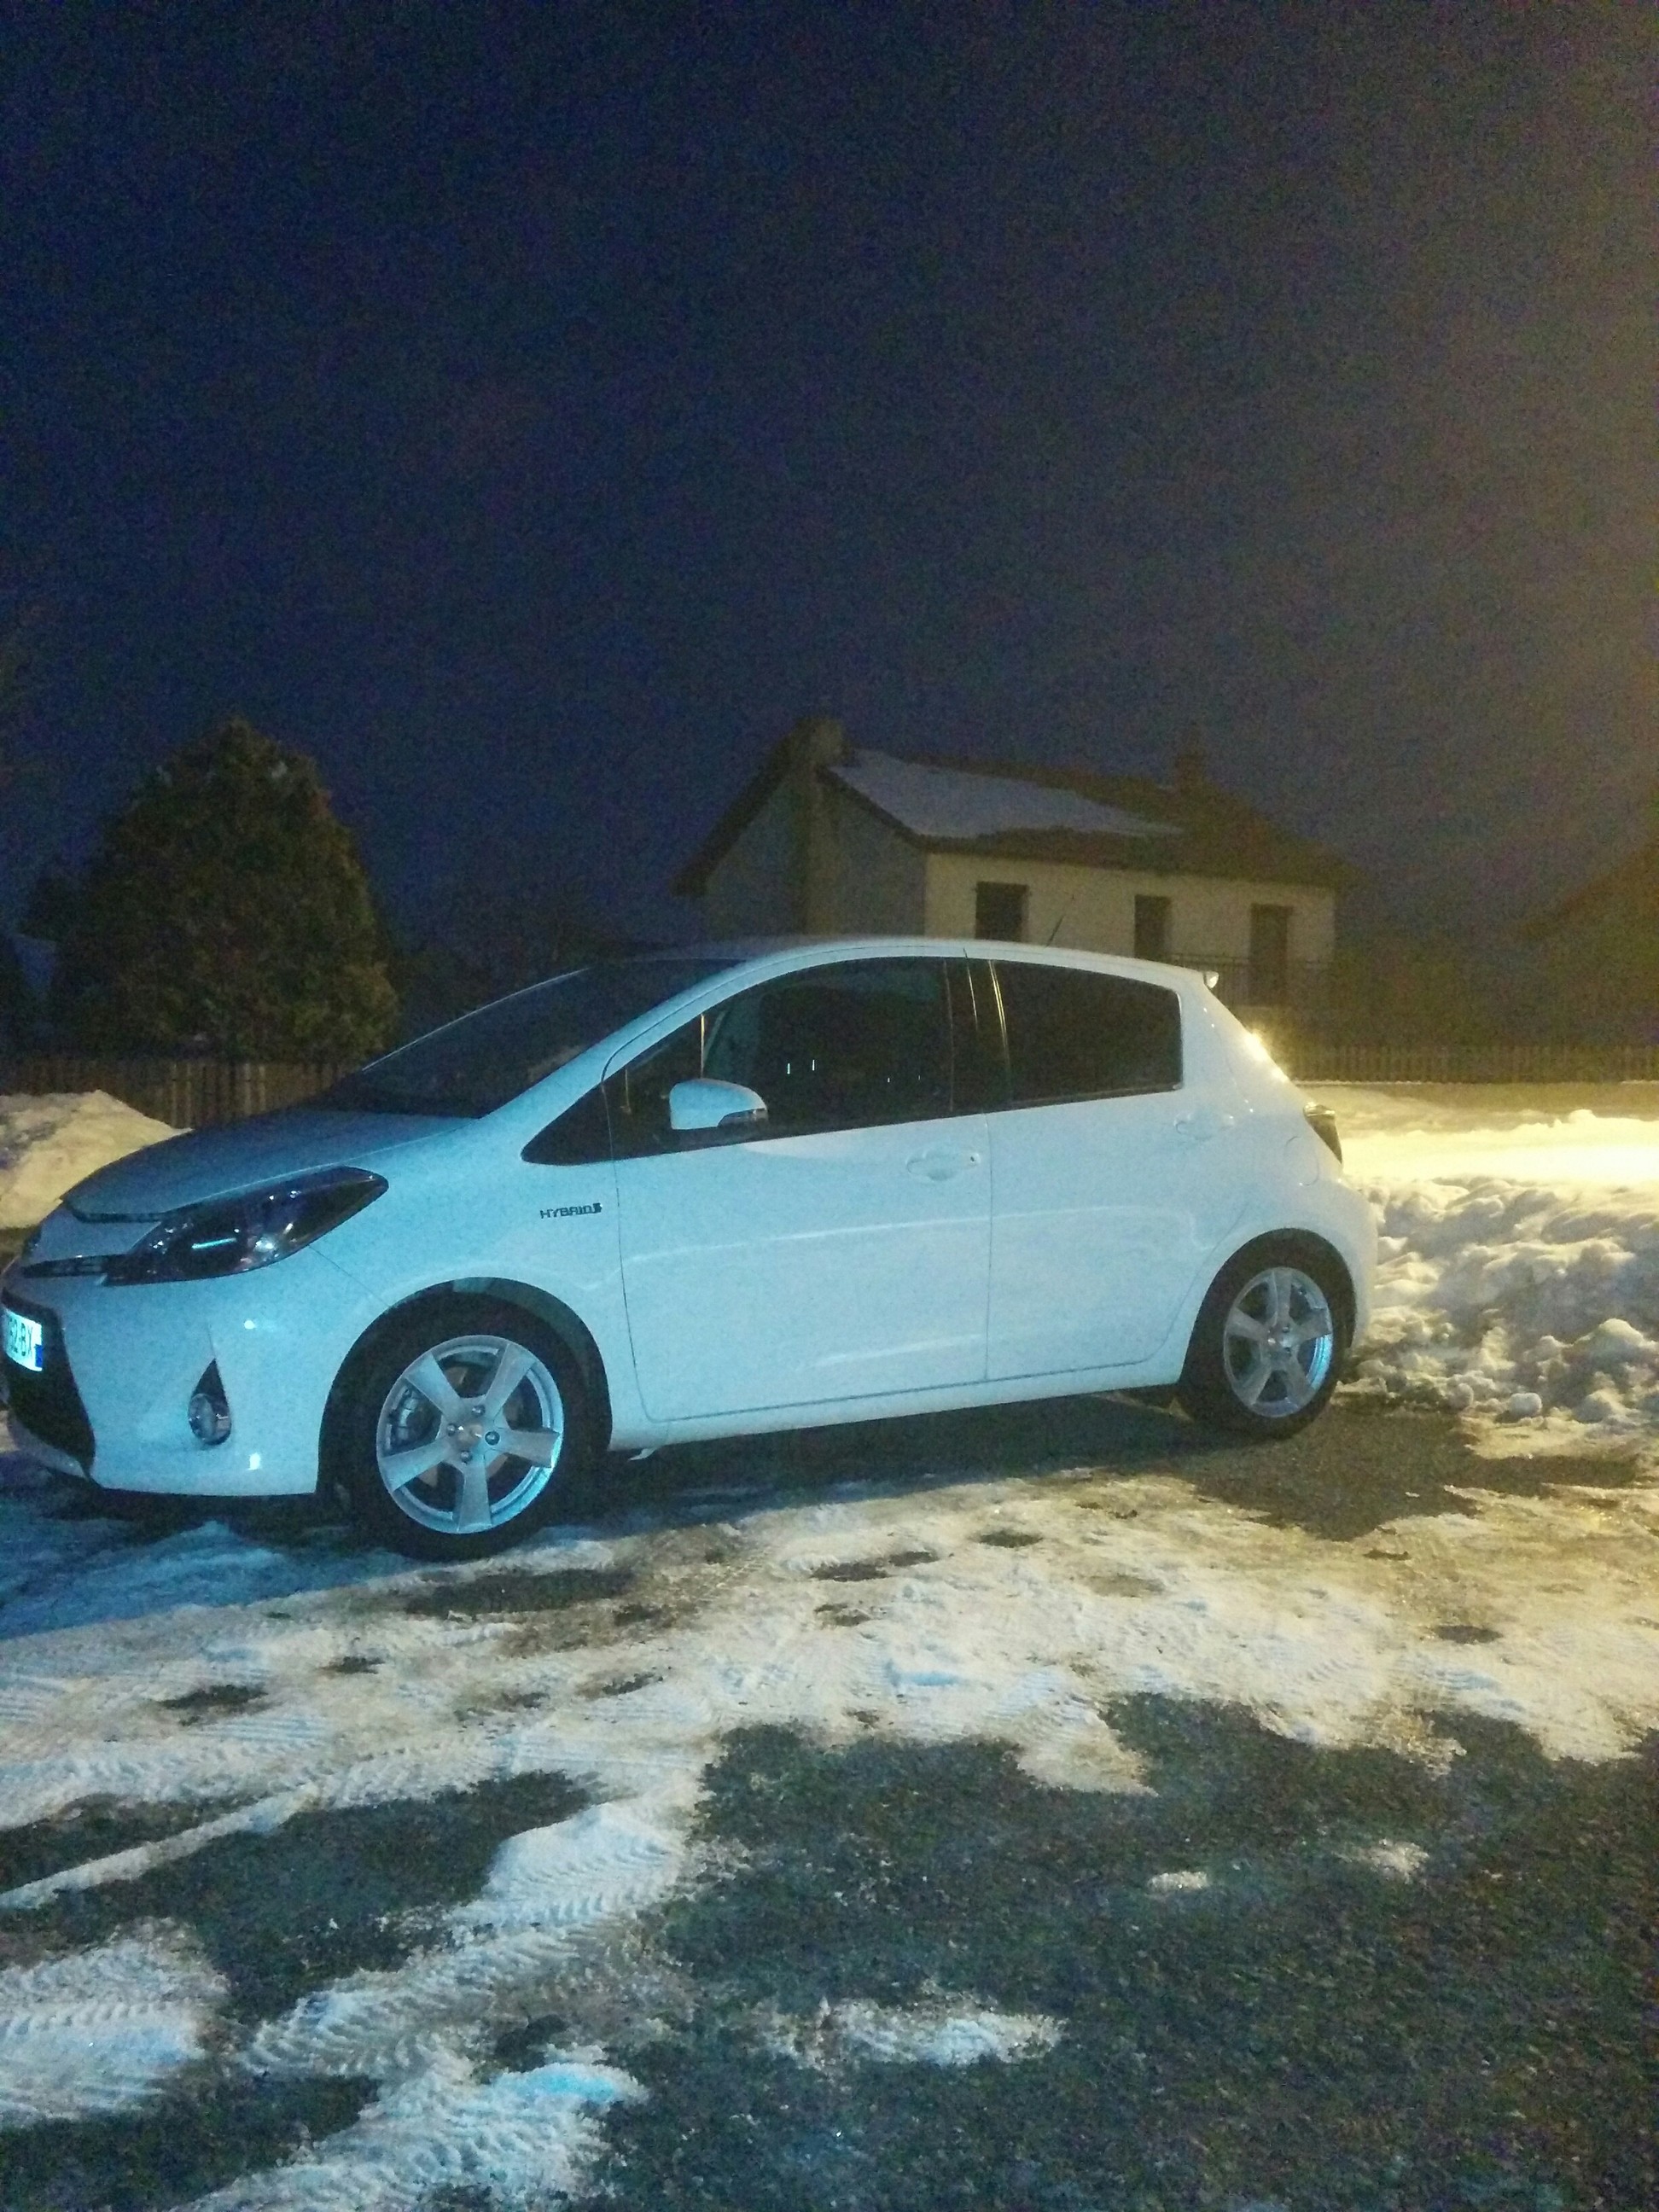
(1190, 776)
(817, 743)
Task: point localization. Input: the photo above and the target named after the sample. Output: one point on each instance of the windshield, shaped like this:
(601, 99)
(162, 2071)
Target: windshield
(478, 1063)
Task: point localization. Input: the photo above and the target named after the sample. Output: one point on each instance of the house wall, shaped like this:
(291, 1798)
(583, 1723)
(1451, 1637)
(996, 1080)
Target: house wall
(753, 889)
(1094, 909)
(860, 876)
(877, 881)
(815, 859)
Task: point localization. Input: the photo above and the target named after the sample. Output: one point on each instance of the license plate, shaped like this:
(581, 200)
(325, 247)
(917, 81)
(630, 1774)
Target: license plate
(26, 1341)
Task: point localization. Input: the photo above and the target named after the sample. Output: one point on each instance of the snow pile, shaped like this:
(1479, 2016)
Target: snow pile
(48, 1145)
(1518, 1277)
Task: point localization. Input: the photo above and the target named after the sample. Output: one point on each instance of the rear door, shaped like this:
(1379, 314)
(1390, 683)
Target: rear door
(841, 1252)
(1110, 1186)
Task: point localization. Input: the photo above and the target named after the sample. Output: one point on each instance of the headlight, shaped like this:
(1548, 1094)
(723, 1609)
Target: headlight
(228, 1235)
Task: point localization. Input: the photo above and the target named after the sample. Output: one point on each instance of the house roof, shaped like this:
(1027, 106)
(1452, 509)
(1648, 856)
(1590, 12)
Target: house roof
(1015, 812)
(956, 805)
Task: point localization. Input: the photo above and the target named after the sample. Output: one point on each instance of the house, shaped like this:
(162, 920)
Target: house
(1595, 978)
(828, 838)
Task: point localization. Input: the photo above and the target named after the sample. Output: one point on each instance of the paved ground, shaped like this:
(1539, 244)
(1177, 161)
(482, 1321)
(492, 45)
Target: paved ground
(1266, 1957)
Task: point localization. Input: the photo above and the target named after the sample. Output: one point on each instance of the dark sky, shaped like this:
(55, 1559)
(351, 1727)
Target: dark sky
(532, 411)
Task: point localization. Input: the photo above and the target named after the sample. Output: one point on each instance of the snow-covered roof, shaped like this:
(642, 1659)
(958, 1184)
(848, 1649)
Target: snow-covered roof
(951, 803)
(1074, 816)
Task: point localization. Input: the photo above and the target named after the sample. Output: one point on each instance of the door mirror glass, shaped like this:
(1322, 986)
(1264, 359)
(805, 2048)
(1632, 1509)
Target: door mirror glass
(706, 1104)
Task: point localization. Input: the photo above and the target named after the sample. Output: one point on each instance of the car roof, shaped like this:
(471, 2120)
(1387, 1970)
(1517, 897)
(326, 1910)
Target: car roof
(744, 952)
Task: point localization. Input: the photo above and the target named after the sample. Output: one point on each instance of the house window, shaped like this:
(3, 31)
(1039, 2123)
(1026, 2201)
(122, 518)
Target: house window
(1151, 928)
(1270, 955)
(1000, 912)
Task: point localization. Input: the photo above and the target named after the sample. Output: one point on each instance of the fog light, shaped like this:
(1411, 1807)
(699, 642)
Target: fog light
(209, 1411)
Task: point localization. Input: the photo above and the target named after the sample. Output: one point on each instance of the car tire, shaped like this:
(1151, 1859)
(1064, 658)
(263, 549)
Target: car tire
(423, 1442)
(1270, 1339)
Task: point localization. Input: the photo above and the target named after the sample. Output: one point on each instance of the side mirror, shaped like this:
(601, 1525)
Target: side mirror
(705, 1103)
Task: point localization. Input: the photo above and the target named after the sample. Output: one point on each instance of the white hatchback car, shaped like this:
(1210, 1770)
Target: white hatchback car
(696, 1194)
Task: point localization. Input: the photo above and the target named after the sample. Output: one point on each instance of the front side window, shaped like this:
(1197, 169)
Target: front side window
(1073, 1034)
(842, 1047)
(637, 1094)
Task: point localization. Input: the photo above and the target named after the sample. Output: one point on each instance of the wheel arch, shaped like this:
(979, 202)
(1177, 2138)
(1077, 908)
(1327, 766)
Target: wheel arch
(570, 1329)
(1312, 1246)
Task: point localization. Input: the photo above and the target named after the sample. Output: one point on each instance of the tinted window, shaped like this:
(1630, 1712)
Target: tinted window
(472, 1065)
(840, 1048)
(1072, 1035)
(637, 1094)
(580, 1137)
(979, 1069)
(835, 1048)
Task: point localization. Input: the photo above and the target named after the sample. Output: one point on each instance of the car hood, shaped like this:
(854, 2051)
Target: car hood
(207, 1162)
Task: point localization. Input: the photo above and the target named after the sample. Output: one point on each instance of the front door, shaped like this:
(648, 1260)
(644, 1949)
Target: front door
(843, 1252)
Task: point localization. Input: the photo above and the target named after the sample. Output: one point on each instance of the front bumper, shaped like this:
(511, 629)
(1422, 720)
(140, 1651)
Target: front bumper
(131, 1357)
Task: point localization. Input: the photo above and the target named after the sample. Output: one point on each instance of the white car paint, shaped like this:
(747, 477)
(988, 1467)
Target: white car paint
(773, 1282)
(848, 1264)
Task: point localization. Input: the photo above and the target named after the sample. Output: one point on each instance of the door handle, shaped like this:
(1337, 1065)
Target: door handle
(939, 1164)
(1202, 1124)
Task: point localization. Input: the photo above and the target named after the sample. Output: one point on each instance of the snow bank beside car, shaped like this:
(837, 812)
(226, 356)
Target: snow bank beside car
(1518, 1259)
(48, 1145)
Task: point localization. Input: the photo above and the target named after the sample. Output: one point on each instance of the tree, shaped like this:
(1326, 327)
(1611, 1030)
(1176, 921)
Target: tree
(16, 632)
(19, 1015)
(227, 911)
(482, 938)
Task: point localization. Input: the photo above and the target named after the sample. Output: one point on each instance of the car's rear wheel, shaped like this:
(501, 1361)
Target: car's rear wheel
(464, 1430)
(1269, 1341)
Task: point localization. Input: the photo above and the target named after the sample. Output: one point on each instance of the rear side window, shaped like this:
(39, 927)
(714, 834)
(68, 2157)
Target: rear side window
(1073, 1034)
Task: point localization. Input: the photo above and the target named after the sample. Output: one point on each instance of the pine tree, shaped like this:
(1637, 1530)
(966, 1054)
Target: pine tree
(227, 911)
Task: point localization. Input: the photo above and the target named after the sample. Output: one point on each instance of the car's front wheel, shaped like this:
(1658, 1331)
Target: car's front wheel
(1269, 1341)
(463, 1430)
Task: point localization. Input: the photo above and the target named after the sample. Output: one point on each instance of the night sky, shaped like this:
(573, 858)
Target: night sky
(532, 411)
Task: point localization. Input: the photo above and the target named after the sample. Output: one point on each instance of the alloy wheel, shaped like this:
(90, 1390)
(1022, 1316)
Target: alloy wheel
(1278, 1342)
(470, 1435)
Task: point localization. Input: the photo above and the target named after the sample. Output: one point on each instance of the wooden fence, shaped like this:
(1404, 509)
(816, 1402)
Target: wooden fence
(193, 1094)
(188, 1094)
(1313, 1060)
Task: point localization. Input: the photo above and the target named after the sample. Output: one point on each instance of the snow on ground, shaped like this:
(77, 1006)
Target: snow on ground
(1518, 1280)
(48, 1145)
(95, 2032)
(1011, 1611)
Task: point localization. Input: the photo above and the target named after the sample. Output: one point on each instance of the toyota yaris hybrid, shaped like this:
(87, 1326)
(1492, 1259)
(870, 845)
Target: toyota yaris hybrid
(696, 1194)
